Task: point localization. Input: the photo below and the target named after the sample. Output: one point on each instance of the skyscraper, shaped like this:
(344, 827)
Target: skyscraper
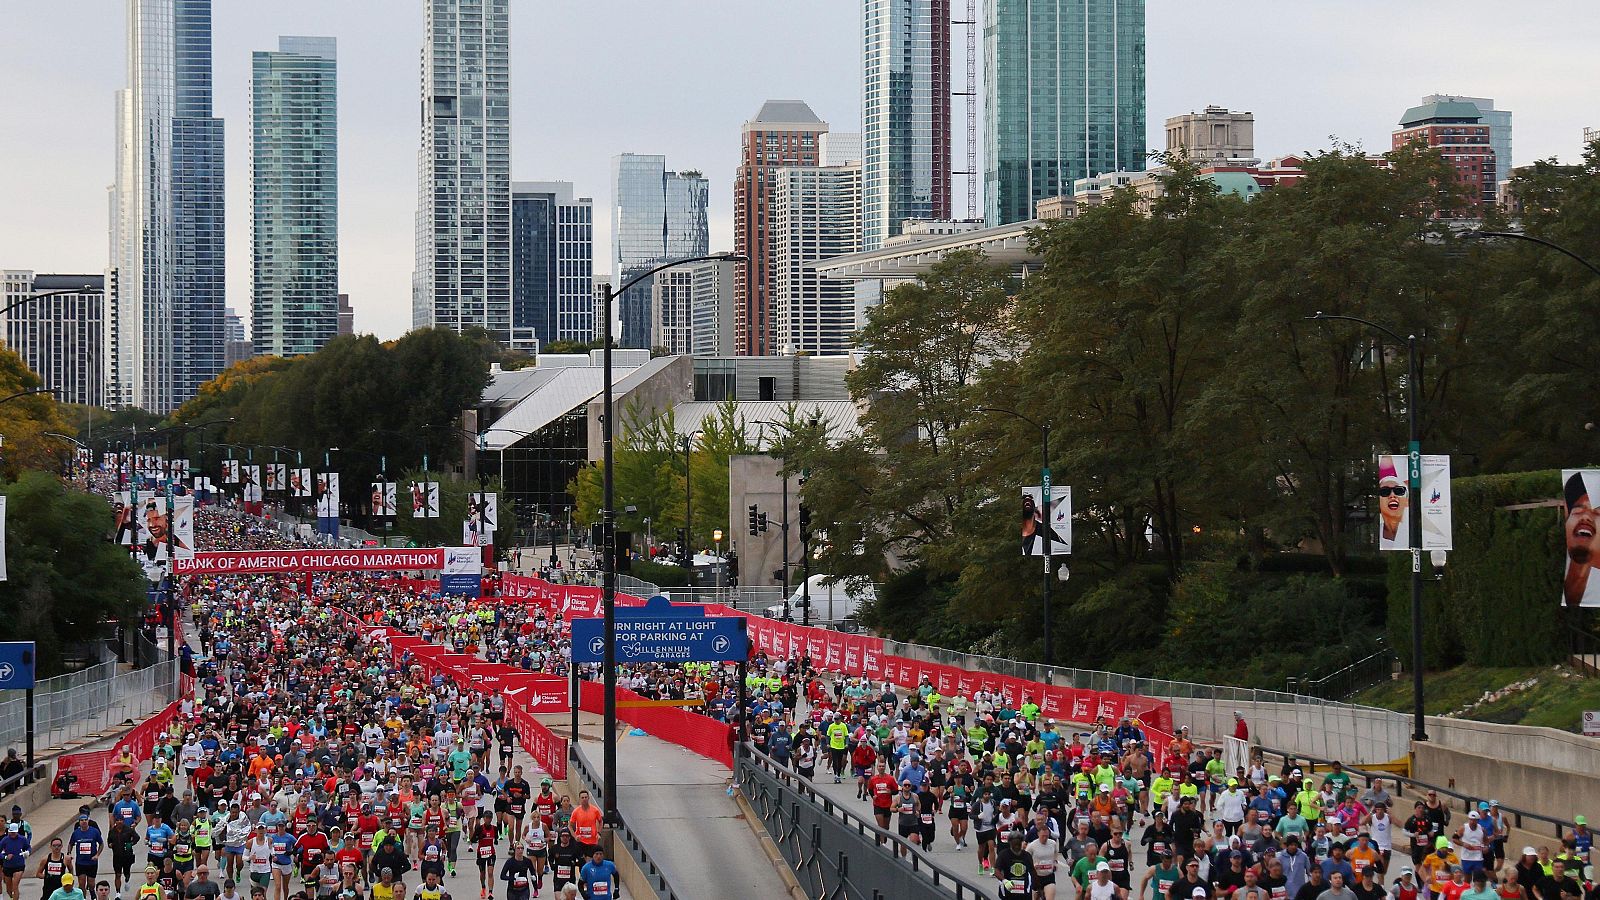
(1064, 91)
(905, 115)
(462, 276)
(816, 214)
(294, 196)
(60, 338)
(783, 133)
(712, 302)
(166, 273)
(552, 264)
(656, 215)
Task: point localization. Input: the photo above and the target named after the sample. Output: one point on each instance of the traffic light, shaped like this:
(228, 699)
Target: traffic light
(755, 522)
(624, 551)
(805, 523)
(733, 569)
(763, 522)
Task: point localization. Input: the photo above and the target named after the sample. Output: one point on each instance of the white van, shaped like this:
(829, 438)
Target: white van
(833, 599)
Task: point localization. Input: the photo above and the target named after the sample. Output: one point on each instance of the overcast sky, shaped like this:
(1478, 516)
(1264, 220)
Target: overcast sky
(593, 78)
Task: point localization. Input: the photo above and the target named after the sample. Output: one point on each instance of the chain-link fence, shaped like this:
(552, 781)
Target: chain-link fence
(70, 706)
(1294, 722)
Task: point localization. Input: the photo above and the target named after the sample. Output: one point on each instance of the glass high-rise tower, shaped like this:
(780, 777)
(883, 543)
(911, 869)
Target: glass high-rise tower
(165, 281)
(462, 276)
(905, 115)
(656, 215)
(552, 264)
(1064, 85)
(294, 196)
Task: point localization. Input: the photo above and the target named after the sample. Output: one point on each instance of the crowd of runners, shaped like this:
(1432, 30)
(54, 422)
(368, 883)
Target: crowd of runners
(313, 764)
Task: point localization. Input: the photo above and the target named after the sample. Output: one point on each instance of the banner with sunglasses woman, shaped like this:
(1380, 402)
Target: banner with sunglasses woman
(1394, 503)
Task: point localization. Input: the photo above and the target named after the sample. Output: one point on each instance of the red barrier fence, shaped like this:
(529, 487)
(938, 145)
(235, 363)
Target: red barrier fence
(691, 731)
(93, 767)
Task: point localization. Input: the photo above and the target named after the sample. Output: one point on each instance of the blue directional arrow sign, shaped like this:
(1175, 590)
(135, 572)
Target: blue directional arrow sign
(16, 665)
(662, 632)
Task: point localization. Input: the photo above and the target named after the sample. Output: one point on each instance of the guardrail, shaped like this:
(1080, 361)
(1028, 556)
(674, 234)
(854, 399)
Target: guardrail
(630, 841)
(71, 706)
(836, 853)
(1303, 724)
(1309, 766)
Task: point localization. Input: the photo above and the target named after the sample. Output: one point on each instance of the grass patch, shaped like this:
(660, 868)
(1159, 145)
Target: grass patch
(1556, 701)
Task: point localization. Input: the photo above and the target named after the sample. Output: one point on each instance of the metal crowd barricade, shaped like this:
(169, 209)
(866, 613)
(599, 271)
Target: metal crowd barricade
(835, 853)
(81, 703)
(622, 834)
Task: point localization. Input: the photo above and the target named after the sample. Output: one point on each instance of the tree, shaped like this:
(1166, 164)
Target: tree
(649, 476)
(64, 579)
(23, 421)
(894, 489)
(1121, 326)
(1292, 422)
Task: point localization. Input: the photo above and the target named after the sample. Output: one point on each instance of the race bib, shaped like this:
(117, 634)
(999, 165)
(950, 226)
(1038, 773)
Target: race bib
(485, 851)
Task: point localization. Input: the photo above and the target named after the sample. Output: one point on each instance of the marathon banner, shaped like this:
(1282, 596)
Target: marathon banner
(252, 562)
(230, 471)
(252, 484)
(276, 477)
(424, 499)
(300, 483)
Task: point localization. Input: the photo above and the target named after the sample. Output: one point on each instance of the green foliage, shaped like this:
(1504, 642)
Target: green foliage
(648, 475)
(64, 579)
(1499, 601)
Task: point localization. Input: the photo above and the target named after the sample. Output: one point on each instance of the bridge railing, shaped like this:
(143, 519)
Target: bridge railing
(835, 853)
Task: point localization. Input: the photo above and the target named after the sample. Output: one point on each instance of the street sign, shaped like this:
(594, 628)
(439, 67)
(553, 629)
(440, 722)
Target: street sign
(662, 632)
(16, 666)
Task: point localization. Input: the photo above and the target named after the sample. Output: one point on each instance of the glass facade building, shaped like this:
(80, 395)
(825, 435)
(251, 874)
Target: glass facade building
(166, 274)
(905, 115)
(294, 196)
(462, 276)
(1064, 84)
(552, 264)
(656, 215)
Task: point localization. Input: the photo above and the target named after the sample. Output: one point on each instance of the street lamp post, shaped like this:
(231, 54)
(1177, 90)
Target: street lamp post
(1049, 531)
(1523, 236)
(608, 529)
(1419, 723)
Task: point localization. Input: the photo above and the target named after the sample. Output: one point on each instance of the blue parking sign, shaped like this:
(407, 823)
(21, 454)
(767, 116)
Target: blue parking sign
(16, 665)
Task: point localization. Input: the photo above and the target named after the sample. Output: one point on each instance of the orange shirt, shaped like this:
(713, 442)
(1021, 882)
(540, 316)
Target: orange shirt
(261, 764)
(585, 825)
(1360, 859)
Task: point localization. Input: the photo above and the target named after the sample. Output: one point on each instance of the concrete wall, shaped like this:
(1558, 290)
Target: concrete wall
(1351, 734)
(1542, 770)
(646, 397)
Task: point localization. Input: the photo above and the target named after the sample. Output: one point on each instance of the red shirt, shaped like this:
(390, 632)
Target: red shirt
(311, 847)
(367, 826)
(349, 854)
(883, 788)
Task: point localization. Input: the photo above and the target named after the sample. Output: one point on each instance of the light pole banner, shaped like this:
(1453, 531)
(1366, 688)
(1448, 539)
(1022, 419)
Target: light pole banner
(1060, 521)
(3, 537)
(483, 518)
(300, 483)
(1394, 503)
(230, 471)
(165, 526)
(383, 500)
(327, 494)
(1580, 533)
(424, 499)
(273, 479)
(252, 484)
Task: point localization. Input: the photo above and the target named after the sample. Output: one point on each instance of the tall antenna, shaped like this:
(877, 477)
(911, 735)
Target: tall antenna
(971, 94)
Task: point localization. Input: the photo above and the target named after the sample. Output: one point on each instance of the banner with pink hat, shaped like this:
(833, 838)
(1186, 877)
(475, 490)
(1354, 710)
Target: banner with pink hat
(1396, 481)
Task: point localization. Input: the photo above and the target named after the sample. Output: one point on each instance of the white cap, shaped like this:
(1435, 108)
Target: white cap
(1103, 867)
